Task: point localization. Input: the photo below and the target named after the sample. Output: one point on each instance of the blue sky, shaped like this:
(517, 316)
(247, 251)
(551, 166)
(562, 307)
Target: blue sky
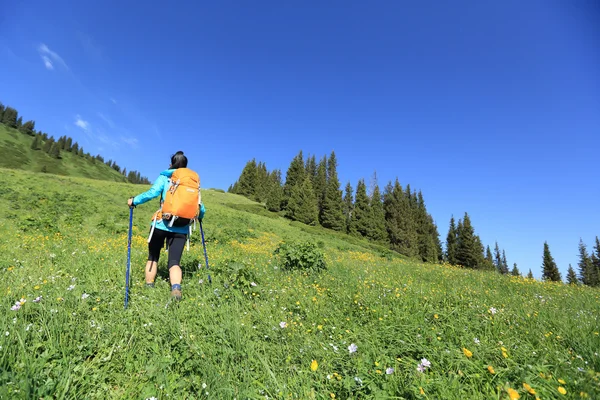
(492, 108)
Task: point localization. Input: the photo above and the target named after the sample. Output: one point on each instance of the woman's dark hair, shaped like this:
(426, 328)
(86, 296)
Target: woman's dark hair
(178, 160)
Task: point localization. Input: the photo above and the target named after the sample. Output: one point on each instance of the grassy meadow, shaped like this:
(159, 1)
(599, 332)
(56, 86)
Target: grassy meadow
(372, 325)
(16, 151)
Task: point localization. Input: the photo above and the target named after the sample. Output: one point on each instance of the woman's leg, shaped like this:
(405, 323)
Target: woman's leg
(151, 267)
(154, 247)
(176, 243)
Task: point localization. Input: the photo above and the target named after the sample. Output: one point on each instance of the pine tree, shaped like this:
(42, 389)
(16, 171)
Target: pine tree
(596, 261)
(131, 177)
(75, 148)
(515, 270)
(19, 123)
(68, 144)
(359, 224)
(295, 175)
(489, 260)
(1, 111)
(500, 261)
(28, 128)
(549, 269)
(572, 276)
(61, 146)
(302, 205)
(35, 145)
(246, 185)
(504, 263)
(275, 194)
(55, 151)
(333, 206)
(262, 183)
(320, 185)
(479, 253)
(311, 168)
(426, 231)
(587, 272)
(451, 240)
(530, 274)
(9, 118)
(348, 205)
(468, 250)
(48, 145)
(399, 220)
(377, 231)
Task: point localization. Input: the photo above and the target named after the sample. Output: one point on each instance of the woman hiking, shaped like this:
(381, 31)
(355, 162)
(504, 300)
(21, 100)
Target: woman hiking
(167, 228)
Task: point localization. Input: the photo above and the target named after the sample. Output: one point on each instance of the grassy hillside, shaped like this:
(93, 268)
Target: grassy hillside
(371, 325)
(16, 152)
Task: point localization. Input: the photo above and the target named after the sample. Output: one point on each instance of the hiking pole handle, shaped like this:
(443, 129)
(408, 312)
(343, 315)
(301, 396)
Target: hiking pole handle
(128, 257)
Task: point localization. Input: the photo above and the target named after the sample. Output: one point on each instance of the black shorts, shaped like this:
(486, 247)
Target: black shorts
(175, 245)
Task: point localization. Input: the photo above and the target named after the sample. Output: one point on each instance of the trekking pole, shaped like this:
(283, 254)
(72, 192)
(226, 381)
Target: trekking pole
(128, 257)
(205, 255)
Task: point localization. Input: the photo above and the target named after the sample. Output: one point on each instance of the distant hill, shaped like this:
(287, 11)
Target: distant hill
(22, 147)
(16, 153)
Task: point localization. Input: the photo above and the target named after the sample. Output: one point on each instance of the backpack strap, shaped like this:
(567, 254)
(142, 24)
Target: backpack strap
(153, 225)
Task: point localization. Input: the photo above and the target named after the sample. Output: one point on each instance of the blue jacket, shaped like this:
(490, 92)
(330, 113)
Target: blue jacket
(159, 188)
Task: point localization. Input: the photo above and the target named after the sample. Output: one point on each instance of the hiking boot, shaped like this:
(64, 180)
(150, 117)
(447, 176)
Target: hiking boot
(176, 294)
(149, 284)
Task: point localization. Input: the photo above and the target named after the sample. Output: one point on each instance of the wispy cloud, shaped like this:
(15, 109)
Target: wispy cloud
(131, 141)
(98, 134)
(83, 124)
(92, 49)
(103, 138)
(107, 120)
(113, 100)
(50, 58)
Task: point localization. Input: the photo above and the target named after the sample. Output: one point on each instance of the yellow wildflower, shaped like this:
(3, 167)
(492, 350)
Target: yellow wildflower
(314, 365)
(491, 369)
(562, 381)
(435, 316)
(36, 287)
(529, 388)
(332, 395)
(562, 390)
(513, 394)
(421, 390)
(467, 352)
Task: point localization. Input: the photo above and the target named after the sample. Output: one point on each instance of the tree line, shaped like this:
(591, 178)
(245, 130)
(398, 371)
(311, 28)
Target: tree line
(396, 217)
(311, 194)
(588, 266)
(10, 117)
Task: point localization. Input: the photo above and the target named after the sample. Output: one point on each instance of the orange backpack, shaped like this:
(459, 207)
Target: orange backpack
(181, 204)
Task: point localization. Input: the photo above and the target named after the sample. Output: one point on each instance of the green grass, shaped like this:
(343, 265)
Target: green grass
(16, 151)
(65, 239)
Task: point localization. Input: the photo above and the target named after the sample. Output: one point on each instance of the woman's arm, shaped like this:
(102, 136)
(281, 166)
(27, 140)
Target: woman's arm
(153, 192)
